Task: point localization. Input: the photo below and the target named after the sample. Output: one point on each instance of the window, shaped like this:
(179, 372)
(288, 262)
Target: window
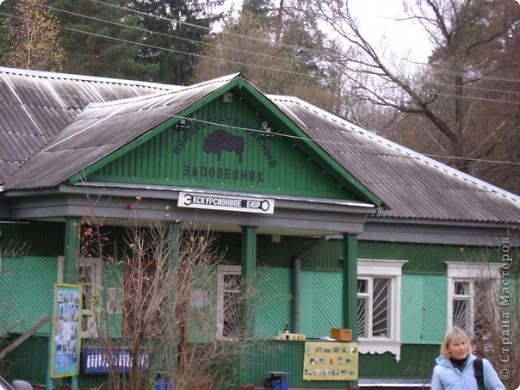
(379, 306)
(90, 280)
(228, 302)
(374, 307)
(90, 272)
(471, 287)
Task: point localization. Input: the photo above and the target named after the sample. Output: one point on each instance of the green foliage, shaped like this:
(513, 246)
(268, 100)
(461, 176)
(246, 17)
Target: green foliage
(102, 39)
(177, 32)
(260, 9)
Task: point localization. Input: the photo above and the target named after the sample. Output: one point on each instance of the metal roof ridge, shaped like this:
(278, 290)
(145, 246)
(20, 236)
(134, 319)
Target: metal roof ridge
(403, 149)
(224, 79)
(135, 99)
(228, 77)
(70, 76)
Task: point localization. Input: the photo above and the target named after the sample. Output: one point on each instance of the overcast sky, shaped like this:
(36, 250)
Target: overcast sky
(378, 19)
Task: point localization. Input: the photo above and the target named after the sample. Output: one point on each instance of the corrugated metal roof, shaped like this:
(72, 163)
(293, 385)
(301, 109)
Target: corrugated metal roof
(411, 184)
(36, 106)
(101, 129)
(69, 137)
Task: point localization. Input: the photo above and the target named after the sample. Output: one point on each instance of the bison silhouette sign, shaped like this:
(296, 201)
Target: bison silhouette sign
(221, 141)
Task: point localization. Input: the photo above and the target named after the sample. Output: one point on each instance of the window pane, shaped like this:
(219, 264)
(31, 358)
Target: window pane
(85, 274)
(461, 288)
(231, 314)
(90, 284)
(362, 285)
(381, 308)
(362, 310)
(86, 277)
(232, 282)
(461, 314)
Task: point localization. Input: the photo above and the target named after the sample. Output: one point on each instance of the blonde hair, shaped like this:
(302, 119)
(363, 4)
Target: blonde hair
(454, 334)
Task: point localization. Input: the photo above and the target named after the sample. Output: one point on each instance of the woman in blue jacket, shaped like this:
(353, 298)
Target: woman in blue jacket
(455, 370)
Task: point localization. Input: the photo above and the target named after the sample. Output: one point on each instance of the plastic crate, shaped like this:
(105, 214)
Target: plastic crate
(277, 381)
(163, 382)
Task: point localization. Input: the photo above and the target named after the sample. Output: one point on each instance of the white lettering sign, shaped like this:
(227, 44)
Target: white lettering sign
(228, 203)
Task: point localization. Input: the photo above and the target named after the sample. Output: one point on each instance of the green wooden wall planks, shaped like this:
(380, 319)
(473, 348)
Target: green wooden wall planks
(26, 291)
(423, 308)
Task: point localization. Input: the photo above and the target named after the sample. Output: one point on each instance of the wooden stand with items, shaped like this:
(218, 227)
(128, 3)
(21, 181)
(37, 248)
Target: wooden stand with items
(290, 336)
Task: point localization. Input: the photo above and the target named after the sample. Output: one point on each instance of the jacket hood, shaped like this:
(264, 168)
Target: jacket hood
(442, 361)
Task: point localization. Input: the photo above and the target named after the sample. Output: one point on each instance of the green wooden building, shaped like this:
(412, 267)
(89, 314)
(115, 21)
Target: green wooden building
(338, 227)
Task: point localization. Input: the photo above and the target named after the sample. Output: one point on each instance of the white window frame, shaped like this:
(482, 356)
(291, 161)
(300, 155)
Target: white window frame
(87, 315)
(385, 269)
(468, 273)
(223, 270)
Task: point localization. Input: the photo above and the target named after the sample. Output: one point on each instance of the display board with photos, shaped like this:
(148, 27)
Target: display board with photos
(330, 361)
(66, 330)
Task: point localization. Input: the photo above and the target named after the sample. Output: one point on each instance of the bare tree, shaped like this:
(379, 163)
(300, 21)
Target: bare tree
(486, 304)
(201, 360)
(497, 322)
(165, 318)
(463, 94)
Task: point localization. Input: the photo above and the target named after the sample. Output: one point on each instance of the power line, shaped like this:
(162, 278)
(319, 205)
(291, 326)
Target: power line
(473, 98)
(493, 78)
(208, 29)
(218, 59)
(215, 59)
(478, 98)
(304, 75)
(294, 47)
(189, 40)
(166, 48)
(343, 142)
(289, 46)
(473, 159)
(202, 43)
(468, 87)
(319, 140)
